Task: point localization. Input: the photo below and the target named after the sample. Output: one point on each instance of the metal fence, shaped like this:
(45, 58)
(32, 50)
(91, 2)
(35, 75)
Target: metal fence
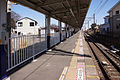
(54, 39)
(63, 35)
(23, 48)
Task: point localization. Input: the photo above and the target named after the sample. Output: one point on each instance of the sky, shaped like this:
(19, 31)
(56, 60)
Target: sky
(27, 12)
(99, 7)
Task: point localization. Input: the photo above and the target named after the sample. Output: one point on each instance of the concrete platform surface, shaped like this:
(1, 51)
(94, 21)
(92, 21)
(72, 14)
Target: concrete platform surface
(50, 65)
(84, 68)
(70, 60)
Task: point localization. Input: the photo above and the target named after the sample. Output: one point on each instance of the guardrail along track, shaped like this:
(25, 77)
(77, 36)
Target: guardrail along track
(108, 64)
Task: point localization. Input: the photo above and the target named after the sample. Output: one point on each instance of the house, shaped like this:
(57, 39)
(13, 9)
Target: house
(27, 26)
(53, 29)
(105, 28)
(114, 14)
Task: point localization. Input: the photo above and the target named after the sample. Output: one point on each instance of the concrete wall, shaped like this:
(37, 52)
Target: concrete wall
(26, 28)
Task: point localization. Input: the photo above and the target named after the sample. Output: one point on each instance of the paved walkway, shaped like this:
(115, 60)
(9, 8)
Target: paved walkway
(81, 65)
(70, 60)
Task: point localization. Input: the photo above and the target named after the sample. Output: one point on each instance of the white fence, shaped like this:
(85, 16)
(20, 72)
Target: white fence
(23, 48)
(54, 39)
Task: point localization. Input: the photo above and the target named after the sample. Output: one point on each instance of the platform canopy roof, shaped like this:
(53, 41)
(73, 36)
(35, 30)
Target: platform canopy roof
(72, 12)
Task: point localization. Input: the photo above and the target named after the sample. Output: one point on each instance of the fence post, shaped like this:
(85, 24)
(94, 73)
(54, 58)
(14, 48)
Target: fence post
(33, 48)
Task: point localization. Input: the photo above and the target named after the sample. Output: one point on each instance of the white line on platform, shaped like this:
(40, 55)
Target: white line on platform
(63, 73)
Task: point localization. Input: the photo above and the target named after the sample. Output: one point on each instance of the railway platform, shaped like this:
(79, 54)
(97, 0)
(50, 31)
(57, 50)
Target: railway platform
(69, 60)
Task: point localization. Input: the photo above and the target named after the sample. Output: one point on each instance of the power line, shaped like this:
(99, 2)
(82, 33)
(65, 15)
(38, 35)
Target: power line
(102, 6)
(98, 5)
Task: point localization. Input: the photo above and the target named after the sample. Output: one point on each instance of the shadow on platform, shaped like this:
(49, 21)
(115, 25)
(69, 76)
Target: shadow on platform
(67, 53)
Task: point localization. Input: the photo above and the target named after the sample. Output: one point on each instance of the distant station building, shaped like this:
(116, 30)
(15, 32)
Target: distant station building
(114, 14)
(27, 26)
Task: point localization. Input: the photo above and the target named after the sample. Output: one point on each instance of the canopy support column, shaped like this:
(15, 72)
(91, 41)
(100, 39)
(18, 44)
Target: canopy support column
(47, 28)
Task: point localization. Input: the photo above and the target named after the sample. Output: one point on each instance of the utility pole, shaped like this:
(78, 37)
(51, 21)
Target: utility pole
(88, 24)
(94, 24)
(94, 18)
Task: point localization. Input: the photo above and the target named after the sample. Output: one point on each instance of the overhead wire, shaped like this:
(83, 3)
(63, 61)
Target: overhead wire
(98, 5)
(102, 6)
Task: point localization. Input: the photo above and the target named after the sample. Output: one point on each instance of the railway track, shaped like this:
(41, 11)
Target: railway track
(108, 63)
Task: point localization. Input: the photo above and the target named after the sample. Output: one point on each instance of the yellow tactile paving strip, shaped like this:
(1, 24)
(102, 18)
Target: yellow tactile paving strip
(90, 66)
(93, 77)
(72, 70)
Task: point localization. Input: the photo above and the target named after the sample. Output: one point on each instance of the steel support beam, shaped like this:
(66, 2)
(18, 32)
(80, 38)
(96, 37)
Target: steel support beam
(47, 30)
(3, 38)
(60, 30)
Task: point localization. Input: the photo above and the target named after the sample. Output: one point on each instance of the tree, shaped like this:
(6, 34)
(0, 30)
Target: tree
(14, 17)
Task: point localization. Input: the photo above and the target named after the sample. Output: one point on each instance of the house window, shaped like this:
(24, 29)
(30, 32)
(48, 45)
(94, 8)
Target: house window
(15, 31)
(20, 24)
(117, 12)
(19, 33)
(31, 23)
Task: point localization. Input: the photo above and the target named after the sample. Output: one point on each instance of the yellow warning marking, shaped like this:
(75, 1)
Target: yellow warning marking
(71, 74)
(93, 77)
(63, 73)
(0, 40)
(90, 65)
(72, 71)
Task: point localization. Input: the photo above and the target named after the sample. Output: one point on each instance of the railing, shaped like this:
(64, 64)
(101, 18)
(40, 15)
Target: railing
(63, 35)
(23, 48)
(54, 39)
